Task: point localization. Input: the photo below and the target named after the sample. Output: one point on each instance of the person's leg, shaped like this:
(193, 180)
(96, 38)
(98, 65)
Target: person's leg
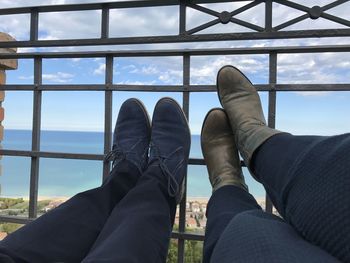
(230, 193)
(307, 177)
(224, 204)
(66, 233)
(237, 228)
(256, 236)
(139, 227)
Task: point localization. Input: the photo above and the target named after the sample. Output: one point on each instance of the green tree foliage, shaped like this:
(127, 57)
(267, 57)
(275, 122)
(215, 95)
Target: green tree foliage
(6, 203)
(193, 251)
(172, 252)
(9, 227)
(42, 204)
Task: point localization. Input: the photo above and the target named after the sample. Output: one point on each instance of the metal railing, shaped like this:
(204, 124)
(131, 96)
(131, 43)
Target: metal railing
(185, 35)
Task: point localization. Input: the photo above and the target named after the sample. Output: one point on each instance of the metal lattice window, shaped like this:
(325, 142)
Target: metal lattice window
(185, 34)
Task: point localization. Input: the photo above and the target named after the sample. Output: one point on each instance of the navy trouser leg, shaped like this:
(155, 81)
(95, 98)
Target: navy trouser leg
(224, 204)
(238, 230)
(139, 228)
(67, 233)
(256, 236)
(308, 180)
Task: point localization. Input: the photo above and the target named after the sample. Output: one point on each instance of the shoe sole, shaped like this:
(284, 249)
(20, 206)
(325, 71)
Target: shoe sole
(217, 79)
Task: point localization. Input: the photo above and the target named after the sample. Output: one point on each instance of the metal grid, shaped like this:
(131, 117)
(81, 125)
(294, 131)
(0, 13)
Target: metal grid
(185, 35)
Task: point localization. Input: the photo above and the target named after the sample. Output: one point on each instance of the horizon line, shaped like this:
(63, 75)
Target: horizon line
(92, 131)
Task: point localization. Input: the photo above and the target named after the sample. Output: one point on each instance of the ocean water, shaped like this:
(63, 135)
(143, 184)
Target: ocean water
(64, 177)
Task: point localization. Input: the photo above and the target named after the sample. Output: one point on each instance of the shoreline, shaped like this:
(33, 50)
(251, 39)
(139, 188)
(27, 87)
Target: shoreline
(195, 199)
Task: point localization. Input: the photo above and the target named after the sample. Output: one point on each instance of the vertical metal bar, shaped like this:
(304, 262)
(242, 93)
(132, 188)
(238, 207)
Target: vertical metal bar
(182, 20)
(105, 22)
(34, 170)
(268, 15)
(108, 113)
(272, 106)
(185, 106)
(34, 24)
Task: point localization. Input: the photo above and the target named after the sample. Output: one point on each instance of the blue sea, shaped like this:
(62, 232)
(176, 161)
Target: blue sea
(64, 177)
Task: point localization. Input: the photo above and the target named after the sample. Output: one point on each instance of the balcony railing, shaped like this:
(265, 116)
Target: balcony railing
(185, 34)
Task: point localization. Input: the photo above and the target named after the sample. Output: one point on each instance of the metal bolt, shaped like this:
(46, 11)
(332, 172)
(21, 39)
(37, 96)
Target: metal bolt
(225, 17)
(315, 12)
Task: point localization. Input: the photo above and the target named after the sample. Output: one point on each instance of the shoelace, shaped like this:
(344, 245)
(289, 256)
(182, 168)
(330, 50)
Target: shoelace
(116, 155)
(173, 186)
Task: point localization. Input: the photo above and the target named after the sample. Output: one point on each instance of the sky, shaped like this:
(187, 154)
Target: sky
(323, 113)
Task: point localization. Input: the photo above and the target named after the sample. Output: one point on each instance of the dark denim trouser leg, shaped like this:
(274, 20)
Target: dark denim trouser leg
(139, 227)
(308, 180)
(256, 236)
(224, 204)
(67, 233)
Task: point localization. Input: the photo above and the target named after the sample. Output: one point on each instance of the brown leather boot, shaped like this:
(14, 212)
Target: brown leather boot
(242, 104)
(220, 152)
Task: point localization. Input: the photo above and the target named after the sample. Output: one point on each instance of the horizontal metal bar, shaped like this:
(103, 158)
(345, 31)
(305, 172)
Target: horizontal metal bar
(174, 88)
(114, 87)
(96, 6)
(184, 38)
(180, 52)
(61, 155)
(58, 155)
(15, 219)
(85, 7)
(187, 236)
(312, 87)
(196, 161)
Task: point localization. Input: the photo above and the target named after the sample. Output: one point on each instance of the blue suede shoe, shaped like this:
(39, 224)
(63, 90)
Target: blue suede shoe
(132, 134)
(170, 144)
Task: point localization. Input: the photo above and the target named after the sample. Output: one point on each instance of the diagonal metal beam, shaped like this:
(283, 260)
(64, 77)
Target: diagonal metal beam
(204, 10)
(246, 24)
(233, 20)
(307, 15)
(333, 4)
(203, 26)
(293, 5)
(291, 22)
(245, 7)
(336, 19)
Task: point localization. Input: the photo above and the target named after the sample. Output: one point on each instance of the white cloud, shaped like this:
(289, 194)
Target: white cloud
(136, 82)
(313, 93)
(314, 68)
(26, 77)
(158, 21)
(59, 77)
(100, 70)
(204, 69)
